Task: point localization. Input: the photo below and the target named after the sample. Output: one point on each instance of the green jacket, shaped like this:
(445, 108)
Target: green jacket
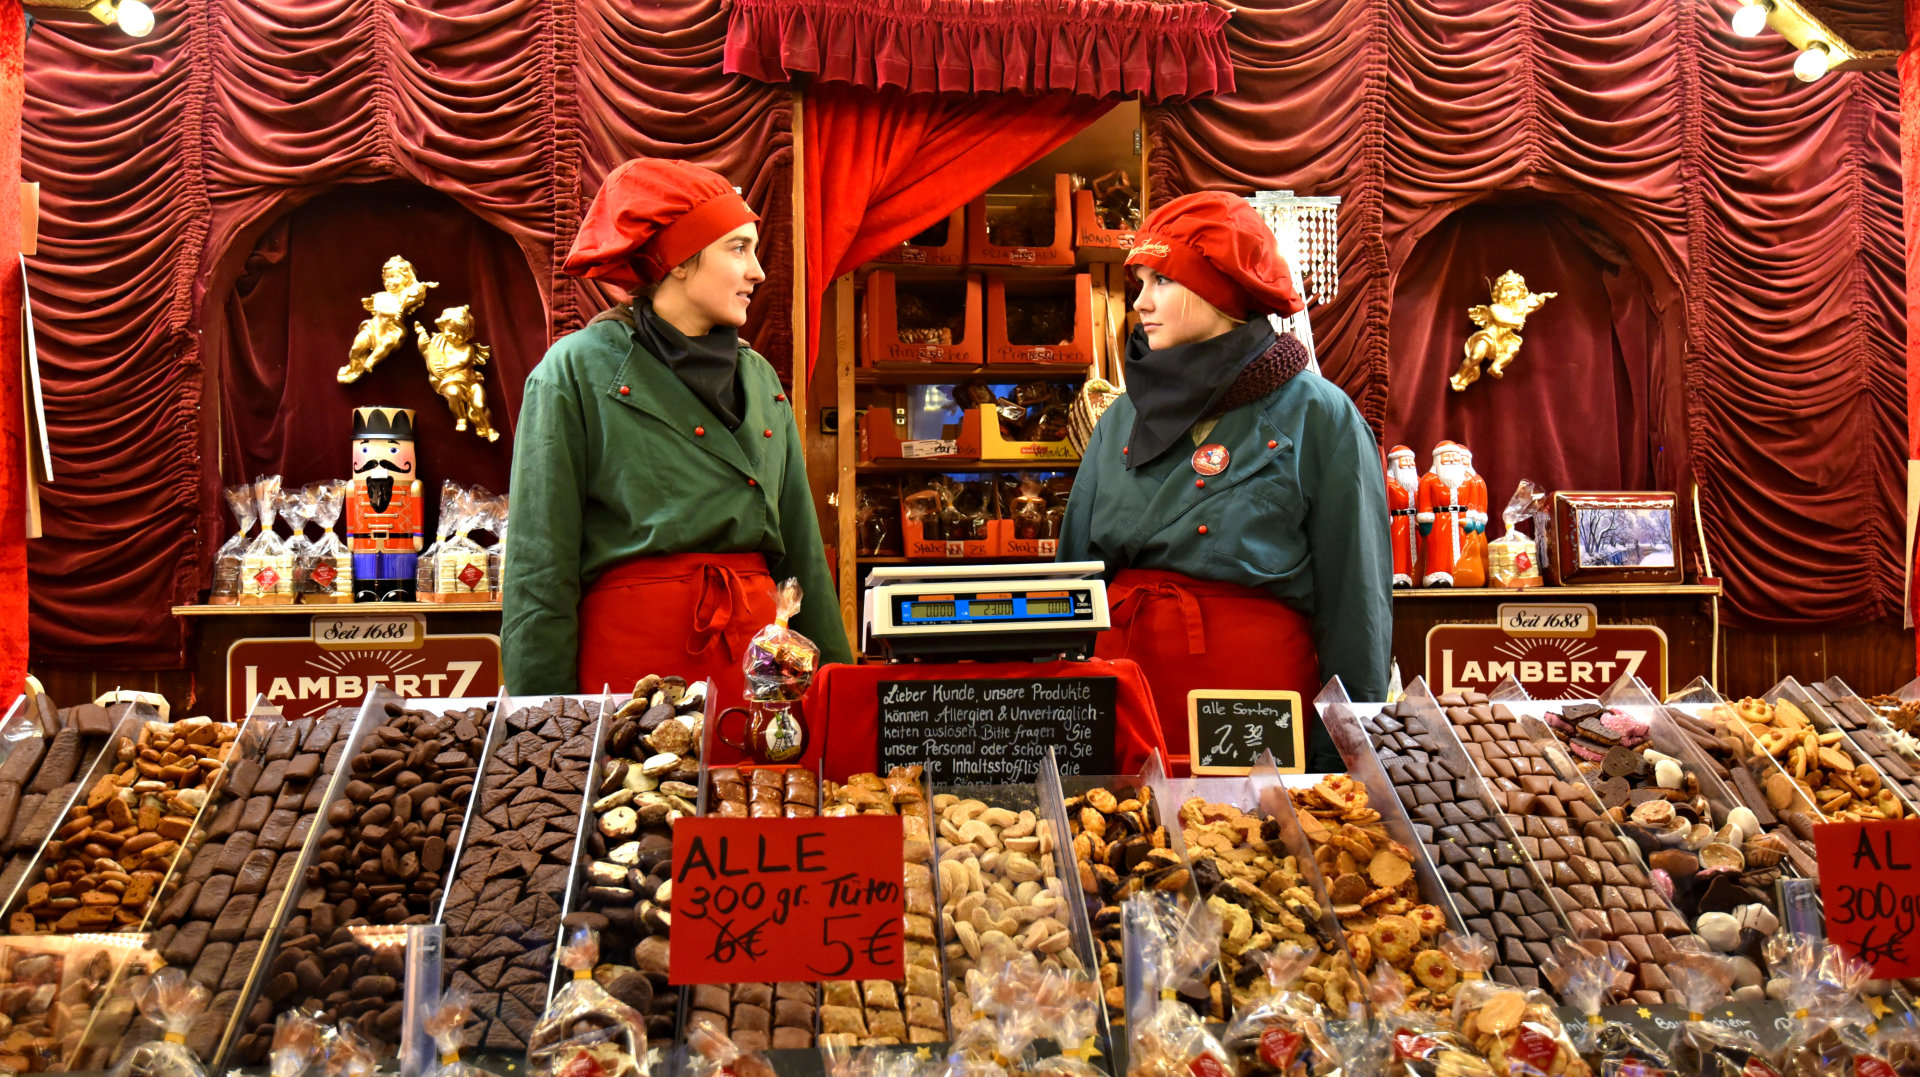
(1300, 512)
(601, 476)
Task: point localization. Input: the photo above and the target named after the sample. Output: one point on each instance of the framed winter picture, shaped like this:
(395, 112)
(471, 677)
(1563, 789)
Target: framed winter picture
(1616, 537)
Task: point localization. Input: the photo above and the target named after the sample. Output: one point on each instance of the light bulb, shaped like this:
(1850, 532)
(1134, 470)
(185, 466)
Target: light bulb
(135, 18)
(1751, 19)
(1812, 62)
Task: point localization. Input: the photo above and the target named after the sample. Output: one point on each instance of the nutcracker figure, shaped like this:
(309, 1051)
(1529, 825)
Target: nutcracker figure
(1403, 485)
(384, 508)
(1452, 511)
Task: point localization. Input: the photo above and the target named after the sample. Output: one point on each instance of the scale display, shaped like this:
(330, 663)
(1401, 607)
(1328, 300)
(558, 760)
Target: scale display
(1051, 606)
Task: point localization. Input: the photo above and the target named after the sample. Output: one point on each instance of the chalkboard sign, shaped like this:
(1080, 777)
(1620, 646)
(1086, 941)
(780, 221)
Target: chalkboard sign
(995, 732)
(1227, 729)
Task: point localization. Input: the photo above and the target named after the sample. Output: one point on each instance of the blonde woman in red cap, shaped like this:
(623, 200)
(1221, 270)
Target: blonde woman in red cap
(659, 492)
(1236, 498)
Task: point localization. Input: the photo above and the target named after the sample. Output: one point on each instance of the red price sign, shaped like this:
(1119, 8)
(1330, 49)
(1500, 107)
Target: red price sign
(768, 900)
(1870, 886)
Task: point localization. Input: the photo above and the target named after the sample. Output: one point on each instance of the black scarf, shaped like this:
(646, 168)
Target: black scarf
(706, 365)
(1173, 388)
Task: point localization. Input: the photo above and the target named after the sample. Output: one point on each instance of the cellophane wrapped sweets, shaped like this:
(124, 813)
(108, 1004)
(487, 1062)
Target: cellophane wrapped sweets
(1065, 1010)
(426, 571)
(230, 559)
(296, 508)
(1701, 1048)
(1411, 1041)
(1515, 1028)
(1513, 558)
(461, 566)
(1284, 1032)
(1613, 1049)
(999, 995)
(779, 662)
(332, 568)
(1830, 1036)
(266, 573)
(1164, 949)
(712, 1054)
(299, 1045)
(447, 1024)
(351, 1054)
(172, 1002)
(586, 1032)
(497, 553)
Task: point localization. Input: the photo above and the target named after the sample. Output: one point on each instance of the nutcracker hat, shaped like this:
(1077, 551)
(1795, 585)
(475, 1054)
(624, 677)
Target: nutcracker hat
(1216, 246)
(650, 215)
(393, 424)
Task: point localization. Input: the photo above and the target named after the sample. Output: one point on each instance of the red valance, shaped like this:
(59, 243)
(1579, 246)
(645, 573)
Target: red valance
(1096, 48)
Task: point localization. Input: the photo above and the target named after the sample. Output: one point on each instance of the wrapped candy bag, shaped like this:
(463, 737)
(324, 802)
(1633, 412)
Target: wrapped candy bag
(351, 1054)
(1000, 991)
(461, 566)
(296, 508)
(1065, 1008)
(426, 571)
(229, 560)
(586, 1032)
(171, 1001)
(711, 1054)
(1615, 1049)
(299, 1044)
(1285, 1031)
(331, 572)
(447, 1024)
(497, 553)
(1830, 1036)
(1516, 1028)
(1701, 1048)
(1029, 511)
(1165, 950)
(1513, 559)
(266, 573)
(1411, 1041)
(779, 663)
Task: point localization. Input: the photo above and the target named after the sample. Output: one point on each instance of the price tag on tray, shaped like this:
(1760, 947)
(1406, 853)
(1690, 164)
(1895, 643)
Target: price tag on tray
(1870, 885)
(767, 900)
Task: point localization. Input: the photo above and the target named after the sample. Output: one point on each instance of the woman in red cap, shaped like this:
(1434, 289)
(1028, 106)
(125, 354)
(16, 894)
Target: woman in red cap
(1237, 498)
(659, 491)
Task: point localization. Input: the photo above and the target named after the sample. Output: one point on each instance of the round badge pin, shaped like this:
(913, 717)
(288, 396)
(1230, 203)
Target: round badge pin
(1211, 459)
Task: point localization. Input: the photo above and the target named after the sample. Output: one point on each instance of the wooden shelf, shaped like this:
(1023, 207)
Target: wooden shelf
(949, 373)
(882, 467)
(1548, 594)
(366, 609)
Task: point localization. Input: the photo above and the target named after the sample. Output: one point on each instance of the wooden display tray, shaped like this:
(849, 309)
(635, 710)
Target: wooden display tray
(338, 609)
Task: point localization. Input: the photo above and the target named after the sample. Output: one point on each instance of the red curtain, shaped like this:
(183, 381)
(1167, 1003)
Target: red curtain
(13, 475)
(1096, 48)
(882, 166)
(1572, 411)
(1763, 212)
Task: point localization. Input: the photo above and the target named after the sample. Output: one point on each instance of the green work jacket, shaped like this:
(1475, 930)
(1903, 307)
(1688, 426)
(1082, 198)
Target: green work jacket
(1300, 512)
(615, 458)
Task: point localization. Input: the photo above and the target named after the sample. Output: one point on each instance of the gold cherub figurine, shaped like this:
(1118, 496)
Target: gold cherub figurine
(454, 362)
(1498, 337)
(402, 294)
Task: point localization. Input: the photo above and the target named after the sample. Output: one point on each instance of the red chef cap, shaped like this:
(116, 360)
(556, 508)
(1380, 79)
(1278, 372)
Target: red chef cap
(651, 215)
(1216, 245)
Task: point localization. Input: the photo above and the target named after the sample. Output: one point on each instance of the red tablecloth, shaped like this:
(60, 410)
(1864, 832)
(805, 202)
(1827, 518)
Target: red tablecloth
(843, 709)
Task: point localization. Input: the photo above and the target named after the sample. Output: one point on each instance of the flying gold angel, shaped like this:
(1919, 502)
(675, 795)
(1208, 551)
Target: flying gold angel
(454, 360)
(400, 295)
(1500, 322)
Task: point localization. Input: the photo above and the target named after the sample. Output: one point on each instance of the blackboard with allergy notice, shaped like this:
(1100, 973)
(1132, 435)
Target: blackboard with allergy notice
(995, 732)
(1228, 728)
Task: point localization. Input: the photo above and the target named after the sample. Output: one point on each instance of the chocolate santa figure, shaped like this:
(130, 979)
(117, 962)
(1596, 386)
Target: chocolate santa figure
(384, 507)
(1403, 485)
(1452, 511)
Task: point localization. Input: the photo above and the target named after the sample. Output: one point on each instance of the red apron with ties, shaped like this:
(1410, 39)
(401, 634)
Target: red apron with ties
(685, 614)
(1189, 634)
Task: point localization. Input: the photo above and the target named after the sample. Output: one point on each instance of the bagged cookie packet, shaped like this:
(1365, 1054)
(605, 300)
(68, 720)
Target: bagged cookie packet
(1586, 981)
(1703, 1048)
(1412, 1041)
(1286, 1032)
(1065, 1010)
(172, 1002)
(299, 1045)
(1834, 1033)
(1516, 1028)
(711, 1053)
(779, 662)
(1000, 991)
(447, 1025)
(586, 1031)
(349, 1053)
(1169, 952)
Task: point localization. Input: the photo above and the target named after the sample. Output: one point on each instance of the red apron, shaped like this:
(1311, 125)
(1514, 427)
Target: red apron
(685, 614)
(1188, 634)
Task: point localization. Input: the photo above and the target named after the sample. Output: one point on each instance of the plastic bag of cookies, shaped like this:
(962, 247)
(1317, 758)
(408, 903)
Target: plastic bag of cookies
(171, 1001)
(1585, 981)
(1516, 1028)
(447, 1024)
(1166, 952)
(1066, 1010)
(1702, 1048)
(585, 1030)
(1411, 1041)
(1833, 1033)
(1285, 1031)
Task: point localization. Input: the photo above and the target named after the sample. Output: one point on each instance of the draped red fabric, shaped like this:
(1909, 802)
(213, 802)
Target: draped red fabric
(1763, 213)
(1097, 48)
(13, 474)
(883, 166)
(163, 163)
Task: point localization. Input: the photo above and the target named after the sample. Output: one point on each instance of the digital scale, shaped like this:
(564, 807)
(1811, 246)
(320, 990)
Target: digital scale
(1038, 610)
